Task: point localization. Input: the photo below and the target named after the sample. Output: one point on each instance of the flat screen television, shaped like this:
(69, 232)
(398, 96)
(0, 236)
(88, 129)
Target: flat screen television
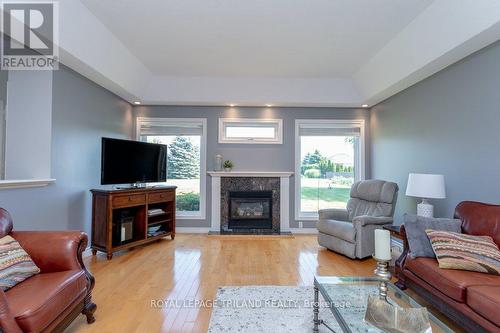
(125, 161)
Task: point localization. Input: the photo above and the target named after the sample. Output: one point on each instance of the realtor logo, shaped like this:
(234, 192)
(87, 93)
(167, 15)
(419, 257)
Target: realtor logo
(30, 35)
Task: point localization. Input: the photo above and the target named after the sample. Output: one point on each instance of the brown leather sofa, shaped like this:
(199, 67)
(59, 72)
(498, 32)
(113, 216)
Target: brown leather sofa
(470, 299)
(52, 299)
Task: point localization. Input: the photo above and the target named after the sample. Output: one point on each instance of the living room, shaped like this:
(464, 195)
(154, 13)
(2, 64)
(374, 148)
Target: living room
(248, 166)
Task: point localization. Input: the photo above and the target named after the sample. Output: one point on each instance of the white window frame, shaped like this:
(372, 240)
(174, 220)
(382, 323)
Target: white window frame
(184, 215)
(223, 122)
(359, 156)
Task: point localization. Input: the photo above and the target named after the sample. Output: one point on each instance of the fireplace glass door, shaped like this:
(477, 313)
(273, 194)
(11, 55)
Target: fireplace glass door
(250, 210)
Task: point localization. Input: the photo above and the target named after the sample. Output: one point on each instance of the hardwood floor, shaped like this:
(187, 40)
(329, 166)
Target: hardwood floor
(193, 267)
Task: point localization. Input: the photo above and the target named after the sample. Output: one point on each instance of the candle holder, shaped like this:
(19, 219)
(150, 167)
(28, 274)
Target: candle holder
(389, 317)
(382, 271)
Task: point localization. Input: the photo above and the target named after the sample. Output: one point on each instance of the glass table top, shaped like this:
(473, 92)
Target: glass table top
(347, 298)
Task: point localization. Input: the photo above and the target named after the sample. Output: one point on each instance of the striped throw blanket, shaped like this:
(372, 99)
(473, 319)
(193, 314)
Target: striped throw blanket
(15, 264)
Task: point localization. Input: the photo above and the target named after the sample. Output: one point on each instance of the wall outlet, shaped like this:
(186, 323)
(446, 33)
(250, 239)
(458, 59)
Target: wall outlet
(301, 224)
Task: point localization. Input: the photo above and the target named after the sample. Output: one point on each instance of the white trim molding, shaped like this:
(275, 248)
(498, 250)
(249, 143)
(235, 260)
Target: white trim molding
(203, 157)
(250, 173)
(284, 194)
(277, 124)
(304, 231)
(359, 156)
(192, 230)
(25, 183)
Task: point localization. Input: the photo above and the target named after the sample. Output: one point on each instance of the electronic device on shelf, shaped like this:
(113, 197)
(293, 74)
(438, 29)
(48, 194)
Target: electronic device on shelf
(127, 229)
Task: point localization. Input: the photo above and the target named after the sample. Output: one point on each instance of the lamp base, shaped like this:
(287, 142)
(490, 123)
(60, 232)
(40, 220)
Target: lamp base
(425, 209)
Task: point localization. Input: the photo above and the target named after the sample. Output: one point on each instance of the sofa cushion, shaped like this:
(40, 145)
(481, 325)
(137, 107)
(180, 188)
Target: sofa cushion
(339, 229)
(15, 264)
(485, 300)
(415, 227)
(465, 252)
(450, 282)
(37, 302)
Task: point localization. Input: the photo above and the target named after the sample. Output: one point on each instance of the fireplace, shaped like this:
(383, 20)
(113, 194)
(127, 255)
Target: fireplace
(250, 210)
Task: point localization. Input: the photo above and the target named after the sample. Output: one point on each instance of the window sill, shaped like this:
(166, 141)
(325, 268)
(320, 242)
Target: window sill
(189, 217)
(307, 217)
(25, 183)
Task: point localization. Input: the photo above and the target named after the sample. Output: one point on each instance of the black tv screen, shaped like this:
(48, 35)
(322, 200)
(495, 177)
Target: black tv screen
(125, 161)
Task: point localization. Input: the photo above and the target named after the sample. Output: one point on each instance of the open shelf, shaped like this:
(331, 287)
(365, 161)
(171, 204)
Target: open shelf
(163, 234)
(133, 216)
(159, 222)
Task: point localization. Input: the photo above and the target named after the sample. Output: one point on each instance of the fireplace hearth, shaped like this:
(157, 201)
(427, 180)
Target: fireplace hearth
(250, 210)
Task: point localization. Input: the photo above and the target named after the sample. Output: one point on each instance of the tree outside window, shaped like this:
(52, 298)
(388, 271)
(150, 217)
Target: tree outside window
(183, 169)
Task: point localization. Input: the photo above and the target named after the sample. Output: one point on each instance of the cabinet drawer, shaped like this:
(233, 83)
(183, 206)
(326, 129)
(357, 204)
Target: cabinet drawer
(129, 200)
(161, 196)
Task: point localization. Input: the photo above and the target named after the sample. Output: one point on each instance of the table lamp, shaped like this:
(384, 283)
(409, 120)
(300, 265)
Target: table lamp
(425, 186)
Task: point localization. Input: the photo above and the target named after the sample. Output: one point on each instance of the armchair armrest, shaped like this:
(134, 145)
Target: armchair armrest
(8, 323)
(371, 220)
(334, 214)
(53, 251)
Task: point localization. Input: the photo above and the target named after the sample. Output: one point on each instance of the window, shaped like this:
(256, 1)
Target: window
(329, 158)
(186, 159)
(254, 131)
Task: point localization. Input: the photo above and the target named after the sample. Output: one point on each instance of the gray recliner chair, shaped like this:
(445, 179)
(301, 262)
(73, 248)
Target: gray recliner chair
(351, 231)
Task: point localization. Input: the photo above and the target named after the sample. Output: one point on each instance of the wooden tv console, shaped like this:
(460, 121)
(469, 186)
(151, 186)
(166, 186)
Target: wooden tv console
(111, 207)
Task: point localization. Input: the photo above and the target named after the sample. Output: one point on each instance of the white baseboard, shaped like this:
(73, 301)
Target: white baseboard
(203, 230)
(306, 231)
(192, 230)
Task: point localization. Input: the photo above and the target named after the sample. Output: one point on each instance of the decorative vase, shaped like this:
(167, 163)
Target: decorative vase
(228, 169)
(218, 162)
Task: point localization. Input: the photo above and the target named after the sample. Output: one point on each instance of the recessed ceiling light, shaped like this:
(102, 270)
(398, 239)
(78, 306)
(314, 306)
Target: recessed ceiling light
(137, 103)
(269, 105)
(365, 105)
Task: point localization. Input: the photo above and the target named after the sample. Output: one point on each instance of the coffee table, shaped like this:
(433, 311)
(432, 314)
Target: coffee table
(347, 298)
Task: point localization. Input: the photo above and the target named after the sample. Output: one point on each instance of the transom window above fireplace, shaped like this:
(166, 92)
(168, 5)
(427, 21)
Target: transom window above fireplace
(253, 131)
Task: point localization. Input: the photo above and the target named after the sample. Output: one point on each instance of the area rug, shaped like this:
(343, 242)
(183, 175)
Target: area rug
(253, 309)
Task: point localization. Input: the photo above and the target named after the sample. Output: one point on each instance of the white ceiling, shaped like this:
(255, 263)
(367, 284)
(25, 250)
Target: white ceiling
(281, 52)
(255, 38)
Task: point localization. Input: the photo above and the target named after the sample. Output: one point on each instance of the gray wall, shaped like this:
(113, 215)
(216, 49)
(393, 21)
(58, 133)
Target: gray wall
(3, 101)
(29, 125)
(447, 124)
(83, 112)
(252, 157)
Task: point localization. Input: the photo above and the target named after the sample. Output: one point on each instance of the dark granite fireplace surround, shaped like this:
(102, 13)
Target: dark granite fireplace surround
(253, 185)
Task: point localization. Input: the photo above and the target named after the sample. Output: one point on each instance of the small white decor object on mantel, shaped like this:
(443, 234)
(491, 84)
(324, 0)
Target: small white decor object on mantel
(218, 162)
(425, 186)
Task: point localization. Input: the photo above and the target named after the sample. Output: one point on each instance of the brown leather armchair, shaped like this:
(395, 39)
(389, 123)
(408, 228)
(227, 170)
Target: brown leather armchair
(52, 299)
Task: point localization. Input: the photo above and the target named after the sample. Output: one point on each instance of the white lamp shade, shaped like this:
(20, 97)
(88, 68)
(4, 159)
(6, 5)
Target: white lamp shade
(422, 185)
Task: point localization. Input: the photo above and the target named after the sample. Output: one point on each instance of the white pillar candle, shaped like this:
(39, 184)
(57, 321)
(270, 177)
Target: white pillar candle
(382, 244)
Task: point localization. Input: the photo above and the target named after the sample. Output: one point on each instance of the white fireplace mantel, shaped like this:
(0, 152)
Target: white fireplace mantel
(250, 173)
(284, 194)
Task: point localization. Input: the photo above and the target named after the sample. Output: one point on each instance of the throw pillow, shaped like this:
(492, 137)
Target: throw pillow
(15, 264)
(415, 227)
(465, 252)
